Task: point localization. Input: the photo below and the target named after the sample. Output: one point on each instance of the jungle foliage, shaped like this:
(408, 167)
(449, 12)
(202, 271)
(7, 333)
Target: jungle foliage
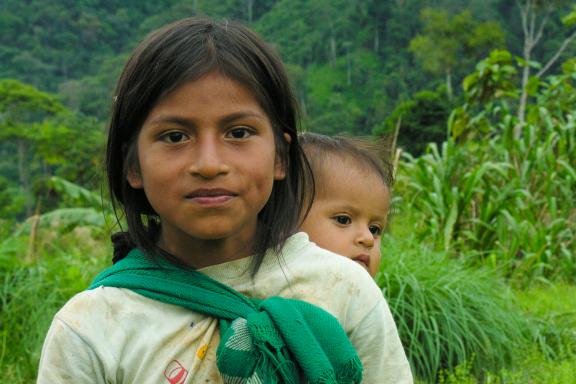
(478, 96)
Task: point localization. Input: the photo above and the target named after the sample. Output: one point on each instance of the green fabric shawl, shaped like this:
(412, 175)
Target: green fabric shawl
(275, 340)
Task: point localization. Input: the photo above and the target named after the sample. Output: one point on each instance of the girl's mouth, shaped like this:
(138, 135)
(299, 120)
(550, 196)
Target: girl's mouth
(211, 197)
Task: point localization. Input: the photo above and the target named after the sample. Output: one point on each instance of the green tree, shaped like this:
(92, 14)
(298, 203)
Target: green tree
(534, 15)
(419, 121)
(349, 96)
(44, 136)
(449, 41)
(11, 202)
(23, 114)
(307, 32)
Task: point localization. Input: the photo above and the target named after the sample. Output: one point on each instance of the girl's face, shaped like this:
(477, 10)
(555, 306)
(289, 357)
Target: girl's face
(207, 164)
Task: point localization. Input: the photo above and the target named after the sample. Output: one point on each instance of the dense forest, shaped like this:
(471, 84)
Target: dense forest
(357, 65)
(477, 99)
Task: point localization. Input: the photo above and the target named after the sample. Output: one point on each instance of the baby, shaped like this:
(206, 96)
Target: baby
(352, 197)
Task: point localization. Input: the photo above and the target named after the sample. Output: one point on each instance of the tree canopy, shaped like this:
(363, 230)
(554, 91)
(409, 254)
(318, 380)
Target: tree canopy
(358, 67)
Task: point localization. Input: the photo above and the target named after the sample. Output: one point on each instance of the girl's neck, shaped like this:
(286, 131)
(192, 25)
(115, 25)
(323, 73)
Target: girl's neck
(200, 253)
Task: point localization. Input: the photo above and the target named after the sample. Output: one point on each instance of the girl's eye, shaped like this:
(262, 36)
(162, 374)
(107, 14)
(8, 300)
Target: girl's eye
(174, 137)
(239, 133)
(343, 219)
(375, 230)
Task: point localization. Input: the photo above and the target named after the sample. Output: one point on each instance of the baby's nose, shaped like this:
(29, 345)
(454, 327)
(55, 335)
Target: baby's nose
(365, 238)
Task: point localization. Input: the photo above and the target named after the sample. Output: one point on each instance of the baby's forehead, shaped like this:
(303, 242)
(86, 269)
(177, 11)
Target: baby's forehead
(348, 179)
(343, 166)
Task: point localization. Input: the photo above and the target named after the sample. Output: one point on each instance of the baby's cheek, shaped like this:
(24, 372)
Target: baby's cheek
(375, 265)
(341, 249)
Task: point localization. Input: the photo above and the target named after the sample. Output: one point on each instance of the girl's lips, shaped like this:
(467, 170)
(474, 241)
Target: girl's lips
(212, 200)
(211, 197)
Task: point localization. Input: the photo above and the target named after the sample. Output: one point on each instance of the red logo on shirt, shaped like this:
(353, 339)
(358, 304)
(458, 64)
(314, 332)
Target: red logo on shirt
(175, 373)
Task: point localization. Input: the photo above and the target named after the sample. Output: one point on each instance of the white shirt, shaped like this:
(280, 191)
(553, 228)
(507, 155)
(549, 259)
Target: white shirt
(114, 335)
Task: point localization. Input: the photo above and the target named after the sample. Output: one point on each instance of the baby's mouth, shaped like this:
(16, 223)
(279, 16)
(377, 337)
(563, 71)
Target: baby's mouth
(363, 260)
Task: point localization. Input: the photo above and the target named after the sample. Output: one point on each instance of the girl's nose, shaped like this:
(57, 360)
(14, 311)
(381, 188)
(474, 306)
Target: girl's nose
(365, 238)
(207, 160)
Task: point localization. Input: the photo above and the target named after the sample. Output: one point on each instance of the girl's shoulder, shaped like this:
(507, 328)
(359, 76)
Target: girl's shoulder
(127, 336)
(302, 270)
(308, 261)
(333, 282)
(114, 310)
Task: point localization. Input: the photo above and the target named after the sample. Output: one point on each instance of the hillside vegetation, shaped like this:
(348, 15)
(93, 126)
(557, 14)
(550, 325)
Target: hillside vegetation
(477, 99)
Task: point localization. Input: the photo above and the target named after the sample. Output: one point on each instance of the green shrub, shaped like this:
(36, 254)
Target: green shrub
(532, 367)
(555, 312)
(500, 191)
(508, 204)
(535, 367)
(30, 294)
(447, 314)
(420, 120)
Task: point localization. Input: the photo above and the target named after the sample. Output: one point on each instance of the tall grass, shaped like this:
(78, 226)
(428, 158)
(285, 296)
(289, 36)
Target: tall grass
(552, 359)
(533, 367)
(30, 294)
(555, 306)
(489, 198)
(43, 262)
(448, 314)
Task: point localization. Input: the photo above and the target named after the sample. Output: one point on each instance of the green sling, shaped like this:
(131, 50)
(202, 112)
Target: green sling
(275, 340)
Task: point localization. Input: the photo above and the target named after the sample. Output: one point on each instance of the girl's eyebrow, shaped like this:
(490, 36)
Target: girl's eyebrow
(173, 120)
(240, 115)
(185, 122)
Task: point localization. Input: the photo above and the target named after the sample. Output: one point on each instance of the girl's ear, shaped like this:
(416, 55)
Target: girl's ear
(279, 163)
(134, 178)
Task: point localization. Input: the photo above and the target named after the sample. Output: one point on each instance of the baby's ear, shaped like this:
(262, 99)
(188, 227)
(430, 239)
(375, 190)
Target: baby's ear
(134, 178)
(280, 163)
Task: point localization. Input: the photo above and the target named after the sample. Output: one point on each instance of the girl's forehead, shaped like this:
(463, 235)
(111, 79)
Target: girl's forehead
(210, 79)
(213, 93)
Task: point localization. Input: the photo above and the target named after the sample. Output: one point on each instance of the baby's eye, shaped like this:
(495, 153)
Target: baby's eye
(174, 137)
(375, 230)
(239, 133)
(343, 219)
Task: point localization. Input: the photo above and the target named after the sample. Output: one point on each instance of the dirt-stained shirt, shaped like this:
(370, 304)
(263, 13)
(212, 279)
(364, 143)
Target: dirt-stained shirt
(114, 335)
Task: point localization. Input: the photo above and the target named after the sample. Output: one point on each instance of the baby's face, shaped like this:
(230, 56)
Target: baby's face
(349, 215)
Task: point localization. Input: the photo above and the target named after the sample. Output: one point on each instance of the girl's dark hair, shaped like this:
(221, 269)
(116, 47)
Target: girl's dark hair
(182, 52)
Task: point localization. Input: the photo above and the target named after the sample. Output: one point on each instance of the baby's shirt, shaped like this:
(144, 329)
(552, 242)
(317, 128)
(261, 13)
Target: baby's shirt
(114, 335)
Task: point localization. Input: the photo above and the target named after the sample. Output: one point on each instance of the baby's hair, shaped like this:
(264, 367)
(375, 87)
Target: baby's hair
(185, 51)
(365, 153)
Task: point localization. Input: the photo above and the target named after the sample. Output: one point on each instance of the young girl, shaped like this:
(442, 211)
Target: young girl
(203, 158)
(348, 221)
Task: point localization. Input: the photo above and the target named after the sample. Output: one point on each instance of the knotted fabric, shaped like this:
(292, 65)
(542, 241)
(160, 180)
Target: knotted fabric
(275, 340)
